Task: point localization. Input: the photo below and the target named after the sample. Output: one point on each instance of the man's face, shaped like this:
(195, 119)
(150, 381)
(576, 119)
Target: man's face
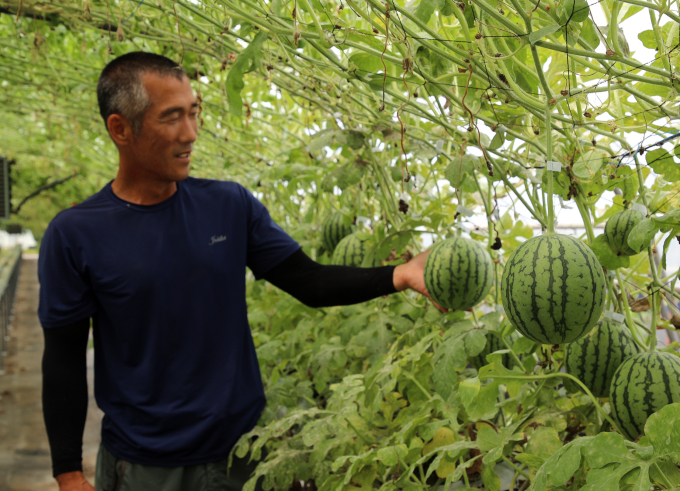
(162, 150)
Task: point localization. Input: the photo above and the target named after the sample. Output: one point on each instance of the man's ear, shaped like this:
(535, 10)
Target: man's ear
(119, 129)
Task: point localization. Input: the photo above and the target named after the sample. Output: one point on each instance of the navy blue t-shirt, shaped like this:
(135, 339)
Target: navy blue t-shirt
(176, 373)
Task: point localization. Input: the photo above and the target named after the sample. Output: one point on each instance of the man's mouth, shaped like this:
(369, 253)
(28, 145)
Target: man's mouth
(183, 155)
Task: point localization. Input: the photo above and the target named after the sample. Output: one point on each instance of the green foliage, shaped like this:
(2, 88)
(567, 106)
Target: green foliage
(377, 118)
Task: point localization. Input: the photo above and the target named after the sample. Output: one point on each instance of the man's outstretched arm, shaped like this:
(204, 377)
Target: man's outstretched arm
(65, 398)
(318, 285)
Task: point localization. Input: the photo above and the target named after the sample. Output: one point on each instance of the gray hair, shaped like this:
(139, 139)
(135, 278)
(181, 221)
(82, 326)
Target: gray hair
(120, 89)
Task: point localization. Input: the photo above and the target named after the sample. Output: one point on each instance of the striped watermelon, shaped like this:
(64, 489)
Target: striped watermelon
(594, 358)
(494, 343)
(458, 273)
(642, 385)
(617, 229)
(553, 289)
(351, 251)
(334, 228)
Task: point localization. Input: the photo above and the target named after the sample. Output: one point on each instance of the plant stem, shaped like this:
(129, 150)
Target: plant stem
(549, 156)
(517, 469)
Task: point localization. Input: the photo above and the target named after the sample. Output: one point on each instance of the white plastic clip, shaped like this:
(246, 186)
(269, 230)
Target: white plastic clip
(611, 274)
(615, 316)
(464, 211)
(500, 308)
(553, 166)
(640, 208)
(439, 146)
(463, 227)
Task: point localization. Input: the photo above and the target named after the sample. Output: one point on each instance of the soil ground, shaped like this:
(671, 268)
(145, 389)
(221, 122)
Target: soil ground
(24, 451)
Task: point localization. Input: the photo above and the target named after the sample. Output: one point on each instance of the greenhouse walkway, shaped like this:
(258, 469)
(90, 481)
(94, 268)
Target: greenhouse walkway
(24, 451)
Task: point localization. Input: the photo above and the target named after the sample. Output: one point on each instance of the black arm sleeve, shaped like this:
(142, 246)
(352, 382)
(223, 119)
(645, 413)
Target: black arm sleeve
(64, 393)
(317, 285)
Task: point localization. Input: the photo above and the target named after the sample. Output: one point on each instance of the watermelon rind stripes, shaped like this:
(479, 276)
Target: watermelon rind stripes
(618, 228)
(334, 228)
(594, 358)
(351, 251)
(642, 385)
(493, 344)
(458, 273)
(553, 289)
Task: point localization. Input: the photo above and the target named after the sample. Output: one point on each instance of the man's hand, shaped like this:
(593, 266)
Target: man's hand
(73, 481)
(411, 275)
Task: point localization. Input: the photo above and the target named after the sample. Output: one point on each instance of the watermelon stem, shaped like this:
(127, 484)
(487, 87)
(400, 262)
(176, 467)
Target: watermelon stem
(626, 308)
(585, 216)
(512, 353)
(549, 157)
(563, 375)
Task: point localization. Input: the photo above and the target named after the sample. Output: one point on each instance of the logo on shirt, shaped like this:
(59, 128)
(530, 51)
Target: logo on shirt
(215, 239)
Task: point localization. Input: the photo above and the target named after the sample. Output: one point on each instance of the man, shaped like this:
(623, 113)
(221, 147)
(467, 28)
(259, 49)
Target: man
(157, 261)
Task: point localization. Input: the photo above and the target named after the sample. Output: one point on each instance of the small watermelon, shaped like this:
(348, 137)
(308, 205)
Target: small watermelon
(642, 385)
(494, 343)
(351, 251)
(458, 273)
(594, 358)
(618, 228)
(553, 289)
(333, 230)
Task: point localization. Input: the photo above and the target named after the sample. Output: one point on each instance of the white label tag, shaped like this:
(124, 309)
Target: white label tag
(553, 166)
(615, 316)
(640, 207)
(500, 308)
(464, 211)
(439, 146)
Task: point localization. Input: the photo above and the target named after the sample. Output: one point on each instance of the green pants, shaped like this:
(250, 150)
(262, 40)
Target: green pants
(114, 474)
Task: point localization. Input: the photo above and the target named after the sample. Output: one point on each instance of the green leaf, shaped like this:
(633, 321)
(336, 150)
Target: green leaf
(444, 378)
(605, 449)
(483, 406)
(490, 479)
(559, 468)
(663, 163)
(542, 32)
(607, 257)
(610, 461)
(642, 235)
(488, 438)
(544, 441)
(426, 8)
(532, 461)
(523, 345)
(666, 246)
(475, 342)
(663, 430)
(468, 390)
(248, 60)
(588, 164)
(573, 11)
(497, 140)
(390, 455)
(648, 39)
(589, 34)
(353, 139)
(366, 62)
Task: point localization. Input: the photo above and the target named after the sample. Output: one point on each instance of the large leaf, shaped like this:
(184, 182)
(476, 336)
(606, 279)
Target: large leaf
(536, 36)
(247, 61)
